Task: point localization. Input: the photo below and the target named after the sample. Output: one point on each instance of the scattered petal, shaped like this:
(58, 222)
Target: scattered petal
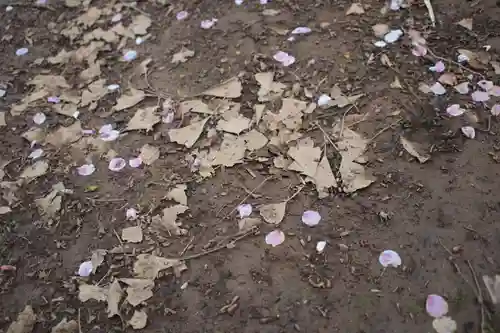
(117, 18)
(455, 110)
(436, 306)
(135, 162)
(130, 55)
(462, 88)
(320, 246)
(311, 218)
(389, 258)
(22, 51)
(86, 169)
(495, 110)
(494, 91)
(485, 84)
(301, 30)
(480, 96)
(117, 164)
(448, 78)
(438, 89)
(139, 41)
(113, 87)
(207, 24)
(380, 30)
(419, 50)
(37, 153)
(39, 118)
(53, 99)
(439, 67)
(466, 23)
(462, 58)
(356, 8)
(444, 325)
(85, 268)
(468, 131)
(275, 238)
(109, 136)
(131, 214)
(238, 2)
(245, 210)
(393, 36)
(284, 58)
(324, 100)
(182, 15)
(396, 4)
(9, 8)
(263, 2)
(380, 43)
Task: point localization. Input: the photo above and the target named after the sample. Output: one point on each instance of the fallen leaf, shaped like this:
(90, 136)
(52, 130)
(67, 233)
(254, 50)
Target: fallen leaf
(476, 60)
(254, 140)
(50, 205)
(356, 8)
(140, 25)
(138, 290)
(182, 56)
(269, 89)
(25, 321)
(228, 89)
(466, 23)
(413, 149)
(291, 113)
(139, 320)
(132, 234)
(389, 258)
(115, 294)
(178, 194)
(273, 213)
(133, 97)
(196, 106)
(436, 306)
(5, 210)
(493, 287)
(248, 223)
(144, 119)
(275, 238)
(97, 259)
(2, 119)
(168, 220)
(448, 79)
(444, 325)
(396, 84)
(380, 30)
(89, 291)
(65, 326)
(34, 171)
(230, 152)
(149, 154)
(496, 67)
(324, 178)
(148, 266)
(305, 157)
(65, 135)
(188, 135)
(234, 125)
(90, 17)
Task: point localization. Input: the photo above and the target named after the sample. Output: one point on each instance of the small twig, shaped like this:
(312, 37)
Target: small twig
(454, 62)
(21, 4)
(327, 136)
(187, 246)
(79, 321)
(106, 200)
(134, 8)
(248, 196)
(342, 122)
(383, 130)
(479, 296)
(431, 12)
(296, 193)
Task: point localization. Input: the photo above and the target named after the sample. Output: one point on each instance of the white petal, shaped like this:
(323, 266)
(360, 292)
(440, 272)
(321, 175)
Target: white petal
(389, 258)
(324, 100)
(444, 325)
(301, 30)
(439, 67)
(263, 2)
(109, 136)
(419, 50)
(130, 55)
(438, 89)
(238, 2)
(131, 214)
(207, 24)
(37, 153)
(117, 164)
(284, 58)
(87, 131)
(168, 118)
(494, 91)
(485, 84)
(85, 268)
(436, 306)
(380, 43)
(245, 210)
(462, 58)
(181, 15)
(105, 128)
(455, 110)
(468, 132)
(462, 88)
(480, 96)
(113, 87)
(135, 162)
(139, 41)
(22, 51)
(39, 118)
(9, 8)
(393, 36)
(396, 4)
(311, 218)
(117, 18)
(320, 246)
(86, 169)
(275, 238)
(495, 110)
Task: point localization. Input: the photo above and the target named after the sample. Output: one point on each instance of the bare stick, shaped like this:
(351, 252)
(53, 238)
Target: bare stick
(455, 63)
(79, 322)
(479, 295)
(248, 195)
(384, 129)
(327, 136)
(295, 194)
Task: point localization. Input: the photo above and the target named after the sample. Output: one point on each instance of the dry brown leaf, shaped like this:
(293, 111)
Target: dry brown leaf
(254, 140)
(188, 135)
(148, 266)
(132, 234)
(115, 294)
(305, 157)
(18, 109)
(133, 97)
(259, 112)
(65, 326)
(34, 171)
(149, 154)
(144, 119)
(2, 119)
(496, 67)
(182, 56)
(139, 320)
(196, 106)
(50, 205)
(356, 8)
(324, 178)
(234, 125)
(108, 36)
(448, 78)
(343, 101)
(93, 71)
(97, 259)
(5, 210)
(140, 25)
(138, 290)
(61, 58)
(90, 17)
(248, 223)
(291, 113)
(168, 220)
(25, 321)
(178, 194)
(413, 149)
(466, 23)
(273, 213)
(380, 30)
(384, 59)
(228, 89)
(65, 135)
(68, 110)
(230, 152)
(477, 60)
(396, 84)
(269, 90)
(493, 287)
(89, 291)
(72, 32)
(52, 83)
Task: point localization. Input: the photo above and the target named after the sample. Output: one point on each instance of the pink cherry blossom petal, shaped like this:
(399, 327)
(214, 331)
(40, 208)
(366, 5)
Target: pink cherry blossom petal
(245, 210)
(320, 246)
(389, 258)
(439, 67)
(438, 89)
(182, 15)
(86, 169)
(285, 58)
(53, 99)
(135, 162)
(495, 110)
(85, 269)
(462, 88)
(468, 132)
(480, 96)
(117, 164)
(311, 218)
(109, 136)
(207, 24)
(39, 118)
(275, 238)
(494, 91)
(301, 31)
(419, 50)
(485, 84)
(436, 306)
(455, 110)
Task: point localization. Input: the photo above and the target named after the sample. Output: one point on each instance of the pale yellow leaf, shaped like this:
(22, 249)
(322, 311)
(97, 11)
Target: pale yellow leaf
(178, 194)
(182, 56)
(89, 291)
(273, 213)
(139, 320)
(133, 97)
(132, 234)
(115, 294)
(65, 135)
(228, 89)
(149, 154)
(188, 135)
(168, 220)
(356, 8)
(25, 321)
(414, 150)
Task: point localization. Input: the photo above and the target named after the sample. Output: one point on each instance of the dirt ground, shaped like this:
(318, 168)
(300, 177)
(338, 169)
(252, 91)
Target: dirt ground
(419, 210)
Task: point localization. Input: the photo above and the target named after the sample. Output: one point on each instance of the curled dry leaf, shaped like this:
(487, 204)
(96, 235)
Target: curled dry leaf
(65, 135)
(182, 56)
(273, 213)
(138, 290)
(444, 325)
(168, 220)
(144, 119)
(188, 135)
(196, 106)
(139, 320)
(148, 266)
(305, 157)
(131, 98)
(25, 321)
(65, 326)
(149, 154)
(178, 194)
(356, 8)
(89, 291)
(97, 259)
(228, 89)
(414, 150)
(115, 294)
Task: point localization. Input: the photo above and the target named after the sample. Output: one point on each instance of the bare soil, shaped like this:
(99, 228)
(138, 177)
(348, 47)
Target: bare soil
(412, 208)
